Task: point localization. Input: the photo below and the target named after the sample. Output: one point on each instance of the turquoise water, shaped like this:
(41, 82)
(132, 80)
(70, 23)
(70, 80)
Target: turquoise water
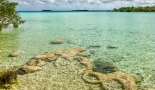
(132, 33)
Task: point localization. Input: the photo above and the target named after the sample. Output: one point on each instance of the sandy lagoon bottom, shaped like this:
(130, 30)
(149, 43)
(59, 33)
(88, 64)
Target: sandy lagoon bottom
(66, 76)
(56, 78)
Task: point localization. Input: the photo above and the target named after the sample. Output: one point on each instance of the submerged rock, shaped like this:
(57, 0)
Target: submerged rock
(78, 49)
(111, 81)
(94, 46)
(14, 54)
(84, 54)
(64, 57)
(57, 41)
(36, 63)
(61, 62)
(112, 47)
(28, 69)
(69, 53)
(85, 61)
(0, 51)
(45, 57)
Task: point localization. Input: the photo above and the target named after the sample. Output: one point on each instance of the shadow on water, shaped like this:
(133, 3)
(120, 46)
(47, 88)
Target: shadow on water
(104, 66)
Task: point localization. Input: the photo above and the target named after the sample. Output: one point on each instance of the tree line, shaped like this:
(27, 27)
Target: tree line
(135, 9)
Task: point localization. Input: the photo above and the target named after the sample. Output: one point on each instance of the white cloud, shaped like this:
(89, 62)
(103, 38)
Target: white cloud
(79, 4)
(40, 2)
(24, 3)
(51, 1)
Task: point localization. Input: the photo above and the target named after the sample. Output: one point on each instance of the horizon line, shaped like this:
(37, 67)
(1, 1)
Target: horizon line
(64, 10)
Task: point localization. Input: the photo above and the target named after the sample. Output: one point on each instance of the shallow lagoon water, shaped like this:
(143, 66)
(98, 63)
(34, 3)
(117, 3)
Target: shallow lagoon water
(132, 33)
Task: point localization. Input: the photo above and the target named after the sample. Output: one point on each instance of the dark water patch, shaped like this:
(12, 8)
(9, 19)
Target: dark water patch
(57, 42)
(104, 66)
(94, 46)
(112, 47)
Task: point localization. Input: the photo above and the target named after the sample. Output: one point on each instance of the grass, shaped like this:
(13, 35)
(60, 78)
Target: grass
(7, 78)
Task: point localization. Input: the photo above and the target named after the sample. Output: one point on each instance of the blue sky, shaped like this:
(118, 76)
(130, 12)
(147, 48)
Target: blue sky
(38, 5)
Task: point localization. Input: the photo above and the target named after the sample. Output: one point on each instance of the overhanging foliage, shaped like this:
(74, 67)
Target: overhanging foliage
(8, 15)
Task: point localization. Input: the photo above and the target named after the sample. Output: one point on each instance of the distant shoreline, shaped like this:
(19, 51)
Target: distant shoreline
(71, 11)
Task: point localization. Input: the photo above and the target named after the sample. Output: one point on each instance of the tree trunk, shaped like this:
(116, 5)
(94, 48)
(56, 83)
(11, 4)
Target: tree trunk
(0, 28)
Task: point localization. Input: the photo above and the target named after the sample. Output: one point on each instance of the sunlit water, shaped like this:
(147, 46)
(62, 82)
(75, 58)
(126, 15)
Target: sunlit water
(132, 33)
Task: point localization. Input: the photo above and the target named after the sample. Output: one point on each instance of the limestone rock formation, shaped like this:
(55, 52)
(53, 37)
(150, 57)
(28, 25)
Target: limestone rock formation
(85, 61)
(29, 69)
(112, 80)
(68, 54)
(14, 54)
(58, 41)
(45, 57)
(78, 49)
(36, 63)
(71, 53)
(84, 54)
(61, 62)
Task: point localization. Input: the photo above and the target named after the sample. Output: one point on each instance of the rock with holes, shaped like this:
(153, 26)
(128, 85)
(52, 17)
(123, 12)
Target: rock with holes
(61, 62)
(84, 54)
(45, 57)
(28, 69)
(112, 81)
(36, 63)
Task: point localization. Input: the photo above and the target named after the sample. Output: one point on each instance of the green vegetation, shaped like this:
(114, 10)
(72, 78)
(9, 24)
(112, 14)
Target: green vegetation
(7, 78)
(135, 9)
(8, 15)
